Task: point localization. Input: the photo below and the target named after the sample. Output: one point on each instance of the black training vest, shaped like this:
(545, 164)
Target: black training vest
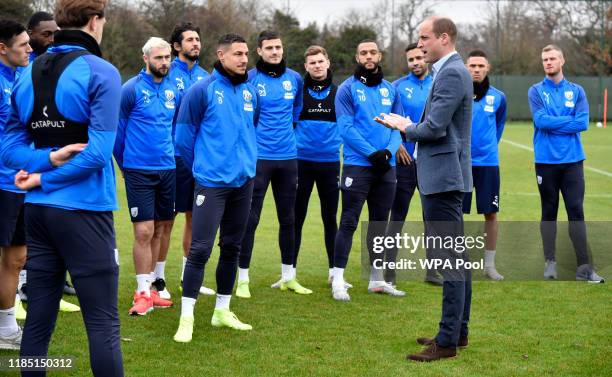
(47, 127)
(315, 109)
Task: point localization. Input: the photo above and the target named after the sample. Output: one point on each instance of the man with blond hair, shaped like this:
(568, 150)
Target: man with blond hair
(560, 113)
(318, 149)
(144, 152)
(61, 141)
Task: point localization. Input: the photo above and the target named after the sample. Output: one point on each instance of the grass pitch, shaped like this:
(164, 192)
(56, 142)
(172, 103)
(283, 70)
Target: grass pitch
(532, 328)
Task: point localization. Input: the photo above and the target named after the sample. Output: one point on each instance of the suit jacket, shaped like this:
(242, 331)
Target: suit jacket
(444, 161)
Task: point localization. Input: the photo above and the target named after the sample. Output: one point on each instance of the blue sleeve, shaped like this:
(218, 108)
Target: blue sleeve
(16, 152)
(345, 115)
(298, 101)
(541, 119)
(396, 138)
(396, 85)
(104, 102)
(500, 117)
(257, 108)
(128, 99)
(191, 113)
(580, 121)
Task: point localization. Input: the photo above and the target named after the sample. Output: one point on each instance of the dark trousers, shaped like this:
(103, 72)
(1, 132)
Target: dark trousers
(569, 179)
(82, 243)
(360, 184)
(214, 208)
(326, 175)
(443, 217)
(404, 190)
(283, 175)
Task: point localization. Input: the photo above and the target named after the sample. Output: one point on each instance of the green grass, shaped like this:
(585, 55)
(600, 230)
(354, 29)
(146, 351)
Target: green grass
(517, 329)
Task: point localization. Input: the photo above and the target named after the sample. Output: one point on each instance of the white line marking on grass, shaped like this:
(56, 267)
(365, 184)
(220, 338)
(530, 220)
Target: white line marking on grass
(538, 194)
(525, 147)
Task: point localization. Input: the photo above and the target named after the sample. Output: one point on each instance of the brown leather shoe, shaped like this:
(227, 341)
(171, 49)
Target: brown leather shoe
(433, 353)
(463, 341)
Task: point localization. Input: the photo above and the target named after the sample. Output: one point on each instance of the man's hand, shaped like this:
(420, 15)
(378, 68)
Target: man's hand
(393, 121)
(63, 155)
(402, 156)
(25, 181)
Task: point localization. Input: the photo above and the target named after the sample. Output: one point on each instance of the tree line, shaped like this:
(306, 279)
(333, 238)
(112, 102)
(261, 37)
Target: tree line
(511, 32)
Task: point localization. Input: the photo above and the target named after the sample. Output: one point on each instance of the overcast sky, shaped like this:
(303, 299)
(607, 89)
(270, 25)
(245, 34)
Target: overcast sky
(329, 11)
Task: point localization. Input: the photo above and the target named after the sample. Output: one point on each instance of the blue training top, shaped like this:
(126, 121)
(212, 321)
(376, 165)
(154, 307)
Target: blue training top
(488, 121)
(317, 135)
(356, 107)
(560, 113)
(414, 93)
(7, 78)
(281, 103)
(184, 78)
(88, 91)
(215, 131)
(144, 136)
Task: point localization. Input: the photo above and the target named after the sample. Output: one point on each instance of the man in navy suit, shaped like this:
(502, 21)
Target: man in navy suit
(444, 174)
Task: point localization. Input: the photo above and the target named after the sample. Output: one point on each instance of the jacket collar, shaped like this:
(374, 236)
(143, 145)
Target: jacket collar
(549, 82)
(77, 38)
(437, 66)
(178, 63)
(149, 78)
(412, 78)
(221, 74)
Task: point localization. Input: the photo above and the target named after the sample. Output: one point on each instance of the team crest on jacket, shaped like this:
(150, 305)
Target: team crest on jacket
(569, 96)
(248, 97)
(200, 200)
(169, 99)
(288, 87)
(348, 181)
(490, 100)
(384, 92)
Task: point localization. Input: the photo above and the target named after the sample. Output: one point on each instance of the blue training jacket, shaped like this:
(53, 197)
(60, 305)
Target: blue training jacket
(318, 140)
(281, 103)
(144, 136)
(356, 107)
(413, 93)
(560, 113)
(215, 131)
(7, 78)
(488, 121)
(88, 91)
(184, 78)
